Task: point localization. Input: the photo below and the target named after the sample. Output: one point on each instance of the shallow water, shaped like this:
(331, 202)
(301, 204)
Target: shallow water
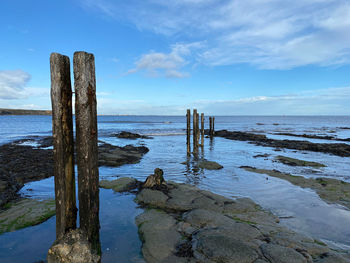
(304, 210)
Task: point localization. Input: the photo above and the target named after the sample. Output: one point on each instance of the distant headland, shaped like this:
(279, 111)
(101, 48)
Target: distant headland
(24, 112)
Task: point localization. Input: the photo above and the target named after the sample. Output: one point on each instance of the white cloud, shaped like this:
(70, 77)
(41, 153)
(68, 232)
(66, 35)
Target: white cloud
(13, 83)
(165, 64)
(270, 34)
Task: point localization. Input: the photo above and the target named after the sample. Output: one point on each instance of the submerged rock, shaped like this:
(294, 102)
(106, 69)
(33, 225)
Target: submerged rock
(25, 212)
(296, 162)
(330, 190)
(122, 184)
(130, 135)
(209, 165)
(73, 247)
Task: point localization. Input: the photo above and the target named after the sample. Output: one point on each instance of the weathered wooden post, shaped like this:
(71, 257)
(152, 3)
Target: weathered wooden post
(202, 130)
(198, 131)
(213, 128)
(86, 141)
(195, 147)
(210, 126)
(188, 130)
(63, 148)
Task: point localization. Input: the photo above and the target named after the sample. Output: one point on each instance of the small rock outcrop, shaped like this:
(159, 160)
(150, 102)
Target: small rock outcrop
(209, 165)
(73, 247)
(154, 180)
(122, 184)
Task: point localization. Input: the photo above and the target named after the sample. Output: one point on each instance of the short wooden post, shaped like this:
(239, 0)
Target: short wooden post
(87, 151)
(210, 126)
(198, 131)
(63, 148)
(188, 132)
(202, 130)
(213, 129)
(195, 148)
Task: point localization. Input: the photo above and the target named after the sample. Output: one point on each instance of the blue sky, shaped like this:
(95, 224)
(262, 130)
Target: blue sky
(232, 57)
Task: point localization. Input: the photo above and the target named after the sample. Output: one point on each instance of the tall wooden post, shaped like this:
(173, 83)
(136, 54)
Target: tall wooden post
(195, 148)
(210, 126)
(63, 148)
(87, 151)
(188, 132)
(202, 130)
(213, 129)
(198, 131)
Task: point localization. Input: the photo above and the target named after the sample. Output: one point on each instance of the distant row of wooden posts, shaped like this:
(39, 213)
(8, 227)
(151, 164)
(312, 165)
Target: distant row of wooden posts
(196, 131)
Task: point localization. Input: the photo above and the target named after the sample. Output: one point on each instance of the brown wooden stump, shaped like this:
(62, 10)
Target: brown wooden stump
(213, 128)
(87, 151)
(210, 127)
(197, 129)
(63, 148)
(188, 132)
(202, 130)
(195, 146)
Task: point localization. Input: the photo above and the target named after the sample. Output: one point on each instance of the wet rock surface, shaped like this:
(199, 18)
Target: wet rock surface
(330, 190)
(209, 165)
(339, 149)
(25, 212)
(130, 135)
(182, 223)
(122, 184)
(73, 247)
(312, 136)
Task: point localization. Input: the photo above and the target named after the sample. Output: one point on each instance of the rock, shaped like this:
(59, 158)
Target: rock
(73, 247)
(278, 254)
(340, 149)
(296, 162)
(159, 229)
(122, 184)
(8, 188)
(154, 180)
(209, 165)
(25, 212)
(130, 135)
(152, 198)
(332, 258)
(110, 155)
(222, 248)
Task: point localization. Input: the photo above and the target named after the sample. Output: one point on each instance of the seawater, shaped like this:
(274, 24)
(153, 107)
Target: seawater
(302, 209)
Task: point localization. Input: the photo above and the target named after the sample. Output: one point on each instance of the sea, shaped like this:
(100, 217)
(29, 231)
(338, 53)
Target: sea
(299, 209)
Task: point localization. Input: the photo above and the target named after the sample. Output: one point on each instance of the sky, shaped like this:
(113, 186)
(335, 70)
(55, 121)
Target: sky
(156, 57)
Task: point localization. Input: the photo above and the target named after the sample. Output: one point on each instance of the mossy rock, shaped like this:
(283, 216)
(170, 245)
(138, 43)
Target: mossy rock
(296, 162)
(209, 165)
(24, 213)
(122, 184)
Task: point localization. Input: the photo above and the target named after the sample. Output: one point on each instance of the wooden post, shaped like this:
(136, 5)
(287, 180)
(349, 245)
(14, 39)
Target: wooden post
(188, 140)
(198, 131)
(63, 148)
(213, 129)
(202, 130)
(210, 126)
(195, 131)
(87, 151)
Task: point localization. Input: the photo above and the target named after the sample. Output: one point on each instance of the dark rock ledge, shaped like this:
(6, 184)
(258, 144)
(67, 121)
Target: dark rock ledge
(182, 223)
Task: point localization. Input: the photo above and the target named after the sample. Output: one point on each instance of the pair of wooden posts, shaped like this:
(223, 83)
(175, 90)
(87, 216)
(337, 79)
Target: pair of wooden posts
(196, 132)
(86, 145)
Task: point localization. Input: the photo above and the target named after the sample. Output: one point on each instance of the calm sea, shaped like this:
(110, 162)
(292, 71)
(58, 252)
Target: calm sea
(302, 209)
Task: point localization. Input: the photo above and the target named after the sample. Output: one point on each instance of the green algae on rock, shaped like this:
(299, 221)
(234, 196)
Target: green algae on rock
(119, 185)
(24, 213)
(330, 190)
(296, 162)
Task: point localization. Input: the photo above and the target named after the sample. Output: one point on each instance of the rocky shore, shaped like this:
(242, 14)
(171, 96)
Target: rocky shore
(182, 223)
(21, 163)
(339, 149)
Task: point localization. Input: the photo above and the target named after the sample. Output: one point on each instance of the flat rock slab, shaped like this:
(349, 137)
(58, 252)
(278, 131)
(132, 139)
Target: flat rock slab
(25, 212)
(185, 224)
(296, 162)
(122, 184)
(130, 135)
